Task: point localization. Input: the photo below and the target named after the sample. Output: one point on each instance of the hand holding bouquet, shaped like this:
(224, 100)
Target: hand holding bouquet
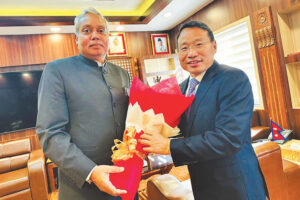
(151, 110)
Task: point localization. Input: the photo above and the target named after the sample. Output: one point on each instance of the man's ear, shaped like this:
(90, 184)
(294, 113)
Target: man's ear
(215, 46)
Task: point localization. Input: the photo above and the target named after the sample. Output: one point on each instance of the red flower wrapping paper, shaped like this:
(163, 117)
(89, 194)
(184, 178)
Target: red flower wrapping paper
(156, 110)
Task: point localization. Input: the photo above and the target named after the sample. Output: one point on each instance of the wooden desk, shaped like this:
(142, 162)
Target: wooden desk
(291, 151)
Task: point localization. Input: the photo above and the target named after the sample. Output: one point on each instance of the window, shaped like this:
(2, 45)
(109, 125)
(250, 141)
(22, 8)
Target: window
(235, 48)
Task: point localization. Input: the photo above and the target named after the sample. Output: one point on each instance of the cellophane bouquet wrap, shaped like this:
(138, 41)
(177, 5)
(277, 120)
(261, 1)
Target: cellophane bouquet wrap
(153, 110)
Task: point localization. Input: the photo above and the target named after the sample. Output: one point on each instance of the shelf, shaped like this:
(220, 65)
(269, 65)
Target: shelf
(292, 58)
(289, 26)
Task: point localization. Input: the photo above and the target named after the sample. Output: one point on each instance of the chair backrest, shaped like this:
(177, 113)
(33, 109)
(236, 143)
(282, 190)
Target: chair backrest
(260, 132)
(14, 155)
(156, 161)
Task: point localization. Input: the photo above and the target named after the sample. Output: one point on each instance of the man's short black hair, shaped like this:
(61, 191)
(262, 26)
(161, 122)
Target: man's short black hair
(159, 40)
(196, 24)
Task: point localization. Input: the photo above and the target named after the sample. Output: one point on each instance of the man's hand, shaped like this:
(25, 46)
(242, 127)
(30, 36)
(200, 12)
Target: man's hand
(100, 177)
(155, 143)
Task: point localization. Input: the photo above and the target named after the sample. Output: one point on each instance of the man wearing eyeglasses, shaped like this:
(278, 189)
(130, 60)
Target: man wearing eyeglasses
(216, 128)
(82, 105)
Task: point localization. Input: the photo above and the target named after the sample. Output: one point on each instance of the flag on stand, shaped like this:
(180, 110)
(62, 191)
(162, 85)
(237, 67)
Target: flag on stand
(276, 131)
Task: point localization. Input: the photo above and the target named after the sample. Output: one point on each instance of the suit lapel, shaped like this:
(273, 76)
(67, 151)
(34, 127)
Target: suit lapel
(201, 92)
(184, 85)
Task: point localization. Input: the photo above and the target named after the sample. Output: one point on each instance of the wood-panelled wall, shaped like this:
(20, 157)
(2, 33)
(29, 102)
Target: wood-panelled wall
(43, 48)
(35, 49)
(223, 12)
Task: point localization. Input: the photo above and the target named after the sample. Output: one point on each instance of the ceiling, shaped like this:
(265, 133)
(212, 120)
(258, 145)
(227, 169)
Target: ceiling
(39, 16)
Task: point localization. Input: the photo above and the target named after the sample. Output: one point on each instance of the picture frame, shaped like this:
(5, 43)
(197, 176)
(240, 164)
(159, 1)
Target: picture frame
(117, 44)
(160, 44)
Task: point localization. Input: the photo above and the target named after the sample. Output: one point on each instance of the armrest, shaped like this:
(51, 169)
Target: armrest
(167, 186)
(270, 161)
(292, 172)
(260, 132)
(264, 148)
(37, 175)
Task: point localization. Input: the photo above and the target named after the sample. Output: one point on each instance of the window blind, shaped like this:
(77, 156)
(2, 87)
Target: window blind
(234, 49)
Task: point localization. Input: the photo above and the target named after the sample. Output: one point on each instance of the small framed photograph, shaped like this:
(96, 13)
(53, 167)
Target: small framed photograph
(117, 44)
(160, 44)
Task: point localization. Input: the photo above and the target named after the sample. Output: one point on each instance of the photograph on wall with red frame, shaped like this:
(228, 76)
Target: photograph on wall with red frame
(160, 44)
(117, 44)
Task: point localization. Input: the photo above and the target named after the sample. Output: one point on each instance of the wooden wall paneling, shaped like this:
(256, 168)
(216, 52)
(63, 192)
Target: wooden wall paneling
(4, 54)
(263, 113)
(35, 49)
(56, 46)
(139, 43)
(270, 65)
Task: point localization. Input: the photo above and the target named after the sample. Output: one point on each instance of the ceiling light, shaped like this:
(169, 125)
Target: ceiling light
(55, 29)
(25, 75)
(168, 14)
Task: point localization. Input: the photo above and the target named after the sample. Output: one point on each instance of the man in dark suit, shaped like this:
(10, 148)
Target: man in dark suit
(82, 106)
(216, 128)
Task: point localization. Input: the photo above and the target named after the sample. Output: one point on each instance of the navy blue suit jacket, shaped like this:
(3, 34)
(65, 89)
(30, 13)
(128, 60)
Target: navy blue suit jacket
(217, 141)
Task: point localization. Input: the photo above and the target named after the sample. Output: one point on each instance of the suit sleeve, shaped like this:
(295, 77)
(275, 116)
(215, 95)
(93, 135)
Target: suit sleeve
(52, 120)
(232, 124)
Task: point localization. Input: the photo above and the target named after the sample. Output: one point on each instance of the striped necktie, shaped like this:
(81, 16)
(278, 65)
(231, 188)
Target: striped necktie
(192, 89)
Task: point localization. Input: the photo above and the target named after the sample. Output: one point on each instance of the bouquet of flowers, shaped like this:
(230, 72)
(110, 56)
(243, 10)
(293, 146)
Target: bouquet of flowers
(153, 110)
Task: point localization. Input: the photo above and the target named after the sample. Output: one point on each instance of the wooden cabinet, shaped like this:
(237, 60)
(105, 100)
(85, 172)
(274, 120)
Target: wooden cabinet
(160, 67)
(290, 34)
(127, 63)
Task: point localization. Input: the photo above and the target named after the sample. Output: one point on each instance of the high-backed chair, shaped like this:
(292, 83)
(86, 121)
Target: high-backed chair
(22, 172)
(282, 177)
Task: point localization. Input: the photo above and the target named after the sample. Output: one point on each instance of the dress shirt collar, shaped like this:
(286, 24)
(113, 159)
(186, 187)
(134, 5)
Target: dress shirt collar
(100, 64)
(92, 62)
(199, 77)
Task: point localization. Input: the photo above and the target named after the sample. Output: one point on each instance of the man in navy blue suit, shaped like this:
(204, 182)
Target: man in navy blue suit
(216, 128)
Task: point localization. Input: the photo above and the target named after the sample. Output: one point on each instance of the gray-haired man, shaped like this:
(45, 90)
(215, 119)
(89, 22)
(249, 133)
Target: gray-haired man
(82, 107)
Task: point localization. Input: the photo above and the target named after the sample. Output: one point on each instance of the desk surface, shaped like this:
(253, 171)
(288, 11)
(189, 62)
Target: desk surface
(291, 151)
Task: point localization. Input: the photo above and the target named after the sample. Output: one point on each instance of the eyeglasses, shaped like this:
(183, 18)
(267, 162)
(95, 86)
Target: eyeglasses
(88, 31)
(198, 46)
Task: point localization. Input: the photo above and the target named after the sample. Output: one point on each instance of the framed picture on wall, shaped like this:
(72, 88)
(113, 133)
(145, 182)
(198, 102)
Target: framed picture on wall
(117, 44)
(160, 44)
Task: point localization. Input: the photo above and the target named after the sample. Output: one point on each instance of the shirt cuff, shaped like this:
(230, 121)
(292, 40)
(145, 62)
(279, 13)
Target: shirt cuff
(88, 178)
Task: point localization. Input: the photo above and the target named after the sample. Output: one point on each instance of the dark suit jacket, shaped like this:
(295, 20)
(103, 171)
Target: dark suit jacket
(217, 145)
(81, 110)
